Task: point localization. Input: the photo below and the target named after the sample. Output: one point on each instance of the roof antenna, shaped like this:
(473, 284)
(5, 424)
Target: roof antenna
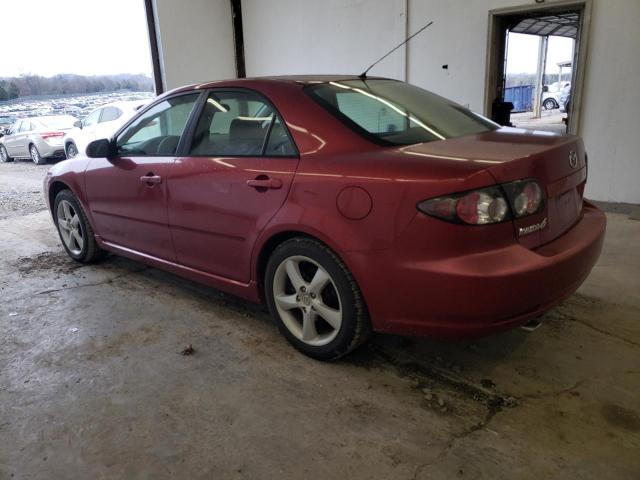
(363, 75)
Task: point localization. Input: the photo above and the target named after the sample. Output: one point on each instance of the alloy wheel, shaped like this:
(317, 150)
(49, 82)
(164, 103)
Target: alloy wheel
(70, 227)
(307, 300)
(3, 154)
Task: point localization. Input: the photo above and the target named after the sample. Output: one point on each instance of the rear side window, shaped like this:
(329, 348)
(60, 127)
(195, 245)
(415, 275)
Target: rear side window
(157, 132)
(109, 114)
(240, 123)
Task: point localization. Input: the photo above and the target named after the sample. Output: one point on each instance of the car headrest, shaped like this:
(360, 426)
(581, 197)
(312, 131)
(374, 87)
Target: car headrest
(245, 129)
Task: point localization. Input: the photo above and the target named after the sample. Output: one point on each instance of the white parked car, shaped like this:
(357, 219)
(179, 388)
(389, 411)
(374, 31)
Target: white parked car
(103, 122)
(551, 98)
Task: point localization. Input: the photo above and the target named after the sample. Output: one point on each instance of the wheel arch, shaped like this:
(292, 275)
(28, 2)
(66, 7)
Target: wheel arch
(274, 239)
(56, 187)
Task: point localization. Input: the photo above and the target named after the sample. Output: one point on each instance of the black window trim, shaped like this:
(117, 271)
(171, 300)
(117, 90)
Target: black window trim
(190, 130)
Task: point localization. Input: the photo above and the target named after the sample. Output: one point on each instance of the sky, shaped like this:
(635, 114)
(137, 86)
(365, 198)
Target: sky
(85, 37)
(522, 53)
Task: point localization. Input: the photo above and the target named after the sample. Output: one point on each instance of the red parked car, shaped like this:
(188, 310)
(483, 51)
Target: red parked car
(347, 204)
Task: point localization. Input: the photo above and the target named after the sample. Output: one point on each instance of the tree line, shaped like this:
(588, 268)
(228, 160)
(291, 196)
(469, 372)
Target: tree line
(68, 84)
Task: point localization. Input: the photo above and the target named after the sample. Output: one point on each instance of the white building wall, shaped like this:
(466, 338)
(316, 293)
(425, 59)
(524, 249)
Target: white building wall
(323, 36)
(345, 36)
(195, 41)
(610, 122)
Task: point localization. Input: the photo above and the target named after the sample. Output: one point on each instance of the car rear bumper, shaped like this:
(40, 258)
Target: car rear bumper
(480, 293)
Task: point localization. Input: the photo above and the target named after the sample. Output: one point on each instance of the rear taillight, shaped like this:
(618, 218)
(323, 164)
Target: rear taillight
(51, 135)
(487, 205)
(525, 197)
(477, 207)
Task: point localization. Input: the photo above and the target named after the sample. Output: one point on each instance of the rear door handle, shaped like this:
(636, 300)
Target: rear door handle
(265, 183)
(151, 179)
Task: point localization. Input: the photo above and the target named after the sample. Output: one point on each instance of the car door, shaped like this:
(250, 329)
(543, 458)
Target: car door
(233, 176)
(11, 139)
(22, 139)
(127, 194)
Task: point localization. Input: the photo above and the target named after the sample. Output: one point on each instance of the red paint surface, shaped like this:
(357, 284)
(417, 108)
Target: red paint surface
(418, 275)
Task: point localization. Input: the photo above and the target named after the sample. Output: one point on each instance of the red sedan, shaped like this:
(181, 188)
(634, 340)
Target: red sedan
(348, 205)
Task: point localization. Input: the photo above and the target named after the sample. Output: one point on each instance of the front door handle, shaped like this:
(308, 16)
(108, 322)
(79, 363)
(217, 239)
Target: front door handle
(150, 179)
(263, 183)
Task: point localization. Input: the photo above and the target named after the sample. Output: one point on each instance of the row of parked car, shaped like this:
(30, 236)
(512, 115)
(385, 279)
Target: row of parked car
(62, 136)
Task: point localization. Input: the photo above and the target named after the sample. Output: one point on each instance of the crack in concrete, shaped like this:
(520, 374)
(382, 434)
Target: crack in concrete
(553, 393)
(605, 332)
(83, 285)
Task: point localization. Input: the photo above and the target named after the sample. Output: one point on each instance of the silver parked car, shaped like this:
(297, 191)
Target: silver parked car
(37, 138)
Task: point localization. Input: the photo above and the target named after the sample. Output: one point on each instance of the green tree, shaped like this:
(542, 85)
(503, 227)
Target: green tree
(4, 95)
(13, 91)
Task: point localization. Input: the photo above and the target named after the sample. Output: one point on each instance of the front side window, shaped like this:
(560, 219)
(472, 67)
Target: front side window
(157, 132)
(396, 113)
(240, 123)
(109, 114)
(92, 118)
(26, 126)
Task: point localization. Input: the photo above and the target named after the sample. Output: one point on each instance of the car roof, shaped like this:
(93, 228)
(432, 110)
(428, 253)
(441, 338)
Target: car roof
(302, 80)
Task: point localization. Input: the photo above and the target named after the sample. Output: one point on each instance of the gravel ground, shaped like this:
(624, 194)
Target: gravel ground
(21, 188)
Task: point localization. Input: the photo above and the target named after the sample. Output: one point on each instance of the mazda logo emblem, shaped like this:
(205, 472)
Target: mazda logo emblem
(573, 159)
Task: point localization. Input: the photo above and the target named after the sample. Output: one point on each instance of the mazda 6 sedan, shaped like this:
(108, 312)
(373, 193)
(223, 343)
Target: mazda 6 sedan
(348, 205)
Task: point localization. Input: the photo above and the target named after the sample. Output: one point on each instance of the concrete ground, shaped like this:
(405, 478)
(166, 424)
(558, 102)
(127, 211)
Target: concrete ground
(549, 121)
(93, 385)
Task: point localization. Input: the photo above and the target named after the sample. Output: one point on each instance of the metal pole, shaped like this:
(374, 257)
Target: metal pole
(542, 60)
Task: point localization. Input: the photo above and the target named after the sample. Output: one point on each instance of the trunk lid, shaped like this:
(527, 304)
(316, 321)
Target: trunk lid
(557, 163)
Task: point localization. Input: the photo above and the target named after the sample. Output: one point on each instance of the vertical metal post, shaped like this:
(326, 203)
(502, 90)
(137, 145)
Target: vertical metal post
(542, 61)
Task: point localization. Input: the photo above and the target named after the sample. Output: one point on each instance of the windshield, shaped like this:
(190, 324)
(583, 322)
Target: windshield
(59, 122)
(396, 113)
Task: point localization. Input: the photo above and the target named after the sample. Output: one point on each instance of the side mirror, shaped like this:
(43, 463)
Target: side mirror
(78, 124)
(545, 88)
(102, 148)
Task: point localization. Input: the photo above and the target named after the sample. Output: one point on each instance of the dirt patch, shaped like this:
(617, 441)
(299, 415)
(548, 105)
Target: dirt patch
(58, 262)
(14, 203)
(442, 386)
(620, 417)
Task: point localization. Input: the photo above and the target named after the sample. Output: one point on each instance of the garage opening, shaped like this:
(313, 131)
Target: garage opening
(535, 66)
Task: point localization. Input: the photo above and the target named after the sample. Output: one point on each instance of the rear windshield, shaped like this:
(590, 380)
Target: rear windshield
(396, 113)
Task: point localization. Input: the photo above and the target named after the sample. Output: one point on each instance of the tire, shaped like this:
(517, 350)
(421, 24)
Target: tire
(35, 155)
(71, 150)
(550, 104)
(326, 306)
(69, 217)
(4, 155)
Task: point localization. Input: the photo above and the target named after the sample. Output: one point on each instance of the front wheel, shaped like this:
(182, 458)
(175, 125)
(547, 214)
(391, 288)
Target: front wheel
(315, 300)
(4, 155)
(74, 228)
(35, 156)
(550, 104)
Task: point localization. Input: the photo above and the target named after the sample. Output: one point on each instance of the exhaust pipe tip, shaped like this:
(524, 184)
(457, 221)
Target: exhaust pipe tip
(532, 324)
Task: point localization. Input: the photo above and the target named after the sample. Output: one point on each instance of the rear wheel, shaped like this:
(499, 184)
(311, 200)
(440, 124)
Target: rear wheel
(71, 150)
(74, 229)
(4, 155)
(315, 300)
(35, 155)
